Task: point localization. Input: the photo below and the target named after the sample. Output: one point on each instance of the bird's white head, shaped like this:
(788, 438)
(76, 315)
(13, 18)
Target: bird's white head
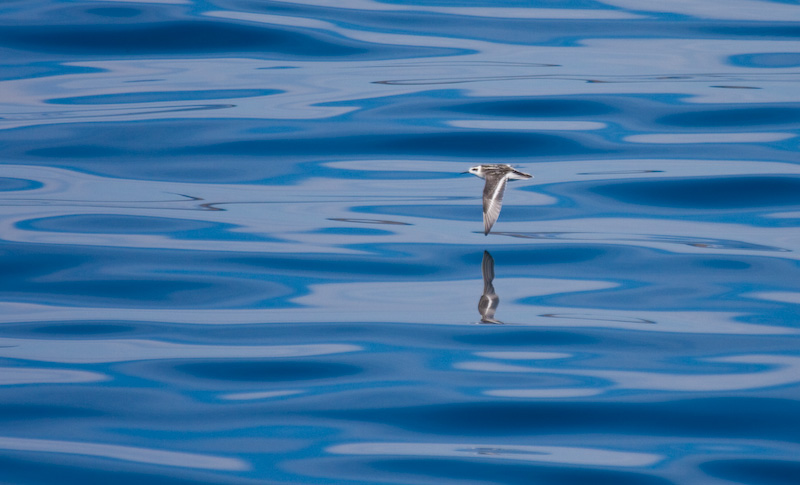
(477, 170)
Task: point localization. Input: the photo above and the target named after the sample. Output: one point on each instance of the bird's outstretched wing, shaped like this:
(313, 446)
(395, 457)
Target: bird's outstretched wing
(516, 174)
(493, 198)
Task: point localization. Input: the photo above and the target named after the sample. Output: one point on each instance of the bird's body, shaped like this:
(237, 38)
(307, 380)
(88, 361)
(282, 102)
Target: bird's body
(496, 176)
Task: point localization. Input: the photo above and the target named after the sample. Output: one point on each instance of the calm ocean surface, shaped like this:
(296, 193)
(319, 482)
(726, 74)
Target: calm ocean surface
(236, 247)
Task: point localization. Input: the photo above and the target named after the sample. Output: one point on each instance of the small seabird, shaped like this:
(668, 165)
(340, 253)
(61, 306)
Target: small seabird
(496, 175)
(487, 305)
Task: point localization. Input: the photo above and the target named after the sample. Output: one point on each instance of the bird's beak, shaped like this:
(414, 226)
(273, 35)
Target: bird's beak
(465, 172)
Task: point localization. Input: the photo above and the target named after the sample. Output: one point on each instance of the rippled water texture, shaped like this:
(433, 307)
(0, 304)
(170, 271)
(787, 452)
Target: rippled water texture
(236, 246)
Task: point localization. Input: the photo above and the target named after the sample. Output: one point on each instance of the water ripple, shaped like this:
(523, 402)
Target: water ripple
(545, 454)
(237, 246)
(774, 371)
(124, 453)
(10, 376)
(106, 350)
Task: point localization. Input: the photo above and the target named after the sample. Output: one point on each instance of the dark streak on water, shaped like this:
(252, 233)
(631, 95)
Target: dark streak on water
(236, 247)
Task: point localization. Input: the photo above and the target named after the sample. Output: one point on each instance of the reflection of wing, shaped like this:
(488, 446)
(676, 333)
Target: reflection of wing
(487, 268)
(492, 198)
(487, 305)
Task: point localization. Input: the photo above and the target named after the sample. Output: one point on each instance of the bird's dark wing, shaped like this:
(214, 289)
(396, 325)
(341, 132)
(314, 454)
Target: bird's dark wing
(520, 175)
(492, 198)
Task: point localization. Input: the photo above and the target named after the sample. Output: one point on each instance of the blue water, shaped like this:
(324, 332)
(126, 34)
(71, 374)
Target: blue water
(236, 246)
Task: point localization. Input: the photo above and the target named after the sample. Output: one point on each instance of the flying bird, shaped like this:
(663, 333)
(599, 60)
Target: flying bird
(496, 175)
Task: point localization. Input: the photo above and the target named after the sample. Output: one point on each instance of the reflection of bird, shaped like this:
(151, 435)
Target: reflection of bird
(489, 300)
(496, 177)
